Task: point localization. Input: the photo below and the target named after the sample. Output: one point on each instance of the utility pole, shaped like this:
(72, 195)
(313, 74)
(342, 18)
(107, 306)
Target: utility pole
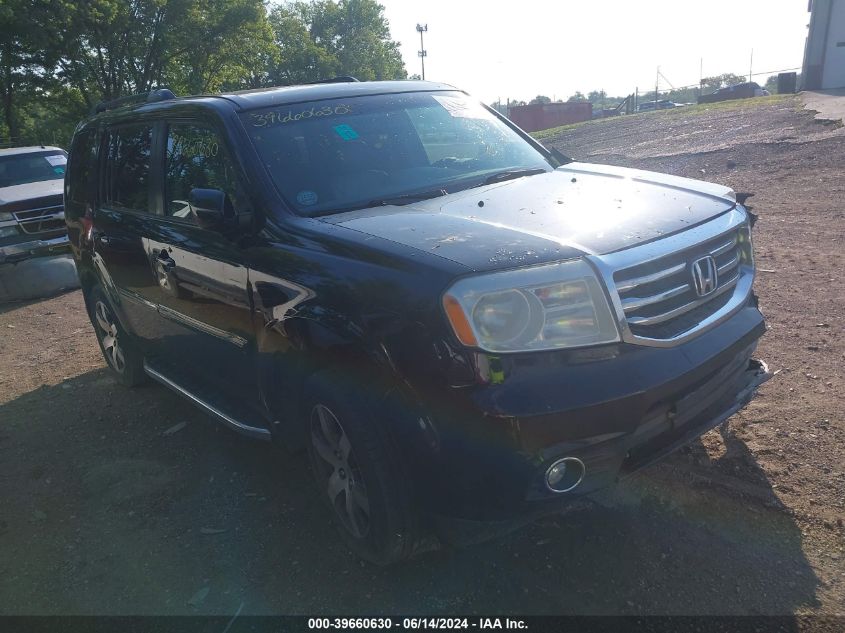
(422, 28)
(656, 86)
(751, 65)
(701, 77)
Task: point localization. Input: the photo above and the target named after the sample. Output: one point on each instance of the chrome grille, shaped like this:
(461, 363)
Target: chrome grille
(43, 220)
(658, 297)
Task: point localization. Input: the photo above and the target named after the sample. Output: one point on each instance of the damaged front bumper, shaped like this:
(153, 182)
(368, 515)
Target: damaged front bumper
(617, 414)
(664, 429)
(686, 427)
(613, 459)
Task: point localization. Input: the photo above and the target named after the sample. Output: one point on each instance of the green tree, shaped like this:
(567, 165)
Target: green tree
(23, 57)
(597, 97)
(301, 59)
(113, 47)
(711, 84)
(539, 99)
(772, 84)
(363, 44)
(326, 38)
(578, 96)
(231, 47)
(58, 58)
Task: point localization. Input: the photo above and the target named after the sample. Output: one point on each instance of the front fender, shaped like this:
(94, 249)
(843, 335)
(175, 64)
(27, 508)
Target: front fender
(297, 338)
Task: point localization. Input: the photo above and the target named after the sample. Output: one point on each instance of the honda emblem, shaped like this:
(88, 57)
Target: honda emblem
(705, 277)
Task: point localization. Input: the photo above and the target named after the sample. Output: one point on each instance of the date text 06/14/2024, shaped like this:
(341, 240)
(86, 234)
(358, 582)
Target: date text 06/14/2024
(416, 623)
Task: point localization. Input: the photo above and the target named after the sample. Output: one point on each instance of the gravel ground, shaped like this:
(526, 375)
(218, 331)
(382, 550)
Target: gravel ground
(119, 501)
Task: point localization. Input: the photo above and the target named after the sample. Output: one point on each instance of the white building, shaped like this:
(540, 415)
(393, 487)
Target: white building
(824, 52)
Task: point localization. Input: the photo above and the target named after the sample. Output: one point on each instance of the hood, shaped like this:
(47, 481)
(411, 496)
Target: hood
(577, 209)
(30, 190)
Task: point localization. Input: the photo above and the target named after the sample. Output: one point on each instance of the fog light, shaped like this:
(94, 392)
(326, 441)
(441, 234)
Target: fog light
(565, 474)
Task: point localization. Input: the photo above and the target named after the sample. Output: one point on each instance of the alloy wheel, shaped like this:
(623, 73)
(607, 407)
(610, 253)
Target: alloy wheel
(107, 332)
(336, 463)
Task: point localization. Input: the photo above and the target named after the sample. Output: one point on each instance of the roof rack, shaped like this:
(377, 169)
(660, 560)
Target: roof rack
(336, 80)
(161, 94)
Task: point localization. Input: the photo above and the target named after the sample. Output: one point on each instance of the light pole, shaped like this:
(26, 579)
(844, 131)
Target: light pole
(422, 28)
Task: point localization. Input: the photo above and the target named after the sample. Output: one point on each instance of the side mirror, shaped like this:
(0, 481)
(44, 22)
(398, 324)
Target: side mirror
(211, 207)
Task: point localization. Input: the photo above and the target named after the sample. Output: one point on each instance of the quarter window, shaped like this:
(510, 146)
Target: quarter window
(82, 168)
(195, 160)
(128, 168)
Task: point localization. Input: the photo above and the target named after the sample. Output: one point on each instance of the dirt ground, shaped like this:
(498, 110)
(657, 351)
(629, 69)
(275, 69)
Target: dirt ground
(119, 501)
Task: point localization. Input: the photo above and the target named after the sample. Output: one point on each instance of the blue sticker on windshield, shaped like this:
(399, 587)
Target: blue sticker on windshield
(306, 198)
(345, 132)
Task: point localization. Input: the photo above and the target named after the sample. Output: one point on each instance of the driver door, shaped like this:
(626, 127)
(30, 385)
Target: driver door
(202, 298)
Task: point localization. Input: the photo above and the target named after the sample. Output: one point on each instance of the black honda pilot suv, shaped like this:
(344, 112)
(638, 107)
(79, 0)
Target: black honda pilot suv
(463, 328)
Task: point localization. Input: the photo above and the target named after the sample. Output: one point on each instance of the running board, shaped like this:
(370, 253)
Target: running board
(235, 425)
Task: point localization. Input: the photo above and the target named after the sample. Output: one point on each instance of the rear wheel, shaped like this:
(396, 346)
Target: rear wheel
(118, 349)
(358, 475)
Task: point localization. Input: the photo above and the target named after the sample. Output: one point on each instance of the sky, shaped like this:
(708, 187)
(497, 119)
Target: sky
(518, 50)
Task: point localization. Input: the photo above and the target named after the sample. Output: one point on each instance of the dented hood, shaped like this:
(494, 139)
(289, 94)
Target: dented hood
(577, 209)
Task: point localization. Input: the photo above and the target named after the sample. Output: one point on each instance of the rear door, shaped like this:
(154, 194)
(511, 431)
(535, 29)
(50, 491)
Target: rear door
(123, 216)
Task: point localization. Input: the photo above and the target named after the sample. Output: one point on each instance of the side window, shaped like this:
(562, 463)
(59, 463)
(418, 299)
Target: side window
(128, 168)
(195, 160)
(81, 168)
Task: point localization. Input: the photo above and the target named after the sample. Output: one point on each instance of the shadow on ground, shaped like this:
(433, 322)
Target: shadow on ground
(111, 505)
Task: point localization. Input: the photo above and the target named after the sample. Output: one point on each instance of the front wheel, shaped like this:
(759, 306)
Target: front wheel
(118, 349)
(358, 475)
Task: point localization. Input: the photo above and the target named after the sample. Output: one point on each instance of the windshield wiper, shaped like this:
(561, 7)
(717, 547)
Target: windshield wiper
(407, 198)
(510, 174)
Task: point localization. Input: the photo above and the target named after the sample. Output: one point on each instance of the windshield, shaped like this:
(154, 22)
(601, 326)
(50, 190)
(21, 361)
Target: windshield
(340, 154)
(20, 169)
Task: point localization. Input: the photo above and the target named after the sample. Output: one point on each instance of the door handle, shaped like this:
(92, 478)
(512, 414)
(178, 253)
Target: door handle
(102, 238)
(166, 261)
(164, 265)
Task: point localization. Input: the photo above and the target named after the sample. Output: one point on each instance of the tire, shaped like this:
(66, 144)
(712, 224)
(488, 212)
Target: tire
(119, 350)
(358, 474)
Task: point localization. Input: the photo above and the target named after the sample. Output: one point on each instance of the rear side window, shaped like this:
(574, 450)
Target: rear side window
(81, 168)
(195, 160)
(127, 168)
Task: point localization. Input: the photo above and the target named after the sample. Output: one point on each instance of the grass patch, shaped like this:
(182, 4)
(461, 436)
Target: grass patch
(554, 131)
(734, 104)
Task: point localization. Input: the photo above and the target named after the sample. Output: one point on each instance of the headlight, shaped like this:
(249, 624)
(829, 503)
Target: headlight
(5, 216)
(8, 231)
(538, 308)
